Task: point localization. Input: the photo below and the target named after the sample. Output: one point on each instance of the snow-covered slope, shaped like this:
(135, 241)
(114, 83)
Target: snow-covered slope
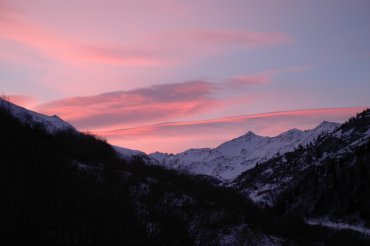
(130, 154)
(232, 158)
(51, 123)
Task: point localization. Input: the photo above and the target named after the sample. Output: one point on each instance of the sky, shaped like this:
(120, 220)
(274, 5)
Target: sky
(167, 75)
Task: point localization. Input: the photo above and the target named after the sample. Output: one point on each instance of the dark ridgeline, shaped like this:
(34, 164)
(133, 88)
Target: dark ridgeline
(69, 188)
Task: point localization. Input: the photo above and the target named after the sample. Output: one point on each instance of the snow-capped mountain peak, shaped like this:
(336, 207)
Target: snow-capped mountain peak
(250, 134)
(326, 126)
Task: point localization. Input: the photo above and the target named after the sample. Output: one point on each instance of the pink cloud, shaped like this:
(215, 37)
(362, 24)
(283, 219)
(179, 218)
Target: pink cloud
(179, 136)
(233, 36)
(262, 78)
(16, 26)
(22, 100)
(155, 104)
(56, 47)
(141, 106)
(172, 47)
(246, 80)
(167, 48)
(116, 55)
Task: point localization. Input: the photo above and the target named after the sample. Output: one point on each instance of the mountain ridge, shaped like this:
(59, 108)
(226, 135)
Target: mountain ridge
(51, 123)
(233, 157)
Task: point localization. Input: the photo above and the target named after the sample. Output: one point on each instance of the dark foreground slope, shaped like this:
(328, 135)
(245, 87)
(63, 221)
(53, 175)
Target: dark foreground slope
(69, 188)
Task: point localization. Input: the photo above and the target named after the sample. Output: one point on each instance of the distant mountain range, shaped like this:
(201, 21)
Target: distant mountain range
(230, 159)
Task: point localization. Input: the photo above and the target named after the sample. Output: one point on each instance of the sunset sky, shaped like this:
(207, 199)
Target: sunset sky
(170, 75)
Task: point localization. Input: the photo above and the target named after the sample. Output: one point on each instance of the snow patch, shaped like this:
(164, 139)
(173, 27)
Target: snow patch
(52, 124)
(339, 225)
(128, 153)
(260, 195)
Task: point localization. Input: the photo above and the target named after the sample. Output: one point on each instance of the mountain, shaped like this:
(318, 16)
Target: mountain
(51, 123)
(230, 159)
(54, 124)
(130, 154)
(327, 183)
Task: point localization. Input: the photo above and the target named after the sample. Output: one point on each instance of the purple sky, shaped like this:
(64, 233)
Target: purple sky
(137, 72)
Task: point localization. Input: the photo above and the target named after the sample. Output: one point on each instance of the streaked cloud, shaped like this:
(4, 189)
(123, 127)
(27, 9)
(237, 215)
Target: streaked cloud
(246, 80)
(158, 103)
(17, 27)
(179, 136)
(22, 100)
(140, 106)
(164, 48)
(264, 77)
